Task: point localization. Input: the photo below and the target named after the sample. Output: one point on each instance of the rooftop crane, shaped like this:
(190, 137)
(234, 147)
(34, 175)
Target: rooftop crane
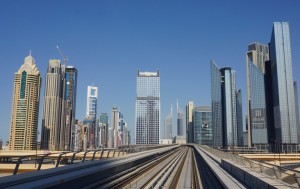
(65, 59)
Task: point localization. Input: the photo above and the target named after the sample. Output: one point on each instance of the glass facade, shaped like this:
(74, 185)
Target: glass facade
(92, 95)
(286, 130)
(216, 105)
(202, 120)
(70, 97)
(25, 107)
(180, 126)
(256, 59)
(23, 85)
(103, 124)
(148, 108)
(239, 117)
(229, 106)
(224, 117)
(257, 105)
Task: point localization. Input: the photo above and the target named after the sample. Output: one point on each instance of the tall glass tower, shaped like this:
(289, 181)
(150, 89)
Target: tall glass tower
(25, 107)
(70, 96)
(256, 58)
(148, 108)
(286, 130)
(224, 116)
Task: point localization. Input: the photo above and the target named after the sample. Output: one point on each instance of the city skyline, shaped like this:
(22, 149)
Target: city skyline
(176, 50)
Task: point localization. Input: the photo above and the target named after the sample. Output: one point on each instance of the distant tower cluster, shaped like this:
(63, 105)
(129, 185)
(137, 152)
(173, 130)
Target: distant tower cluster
(58, 121)
(272, 107)
(25, 107)
(118, 131)
(273, 117)
(148, 108)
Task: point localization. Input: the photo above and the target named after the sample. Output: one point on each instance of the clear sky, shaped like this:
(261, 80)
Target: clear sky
(107, 41)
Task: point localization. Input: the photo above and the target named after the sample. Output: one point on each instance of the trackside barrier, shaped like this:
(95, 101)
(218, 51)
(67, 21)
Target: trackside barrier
(288, 176)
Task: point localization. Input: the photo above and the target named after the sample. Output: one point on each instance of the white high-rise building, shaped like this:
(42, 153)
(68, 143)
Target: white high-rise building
(91, 104)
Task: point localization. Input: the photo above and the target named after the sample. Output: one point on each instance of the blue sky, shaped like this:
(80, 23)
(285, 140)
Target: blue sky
(107, 41)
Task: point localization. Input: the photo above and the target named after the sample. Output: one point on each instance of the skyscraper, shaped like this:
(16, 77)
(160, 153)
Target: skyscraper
(91, 104)
(224, 117)
(189, 122)
(239, 117)
(89, 122)
(122, 131)
(256, 58)
(25, 107)
(148, 108)
(53, 122)
(216, 105)
(115, 125)
(286, 130)
(70, 96)
(202, 123)
(103, 123)
(168, 125)
(180, 127)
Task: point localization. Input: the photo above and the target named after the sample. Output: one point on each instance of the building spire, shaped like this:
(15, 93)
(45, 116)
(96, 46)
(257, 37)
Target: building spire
(30, 52)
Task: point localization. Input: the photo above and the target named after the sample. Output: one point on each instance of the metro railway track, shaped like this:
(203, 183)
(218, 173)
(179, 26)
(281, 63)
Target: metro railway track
(122, 179)
(168, 171)
(171, 167)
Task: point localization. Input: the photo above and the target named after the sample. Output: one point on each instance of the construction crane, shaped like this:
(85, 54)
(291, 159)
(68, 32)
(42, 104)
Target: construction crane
(65, 59)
